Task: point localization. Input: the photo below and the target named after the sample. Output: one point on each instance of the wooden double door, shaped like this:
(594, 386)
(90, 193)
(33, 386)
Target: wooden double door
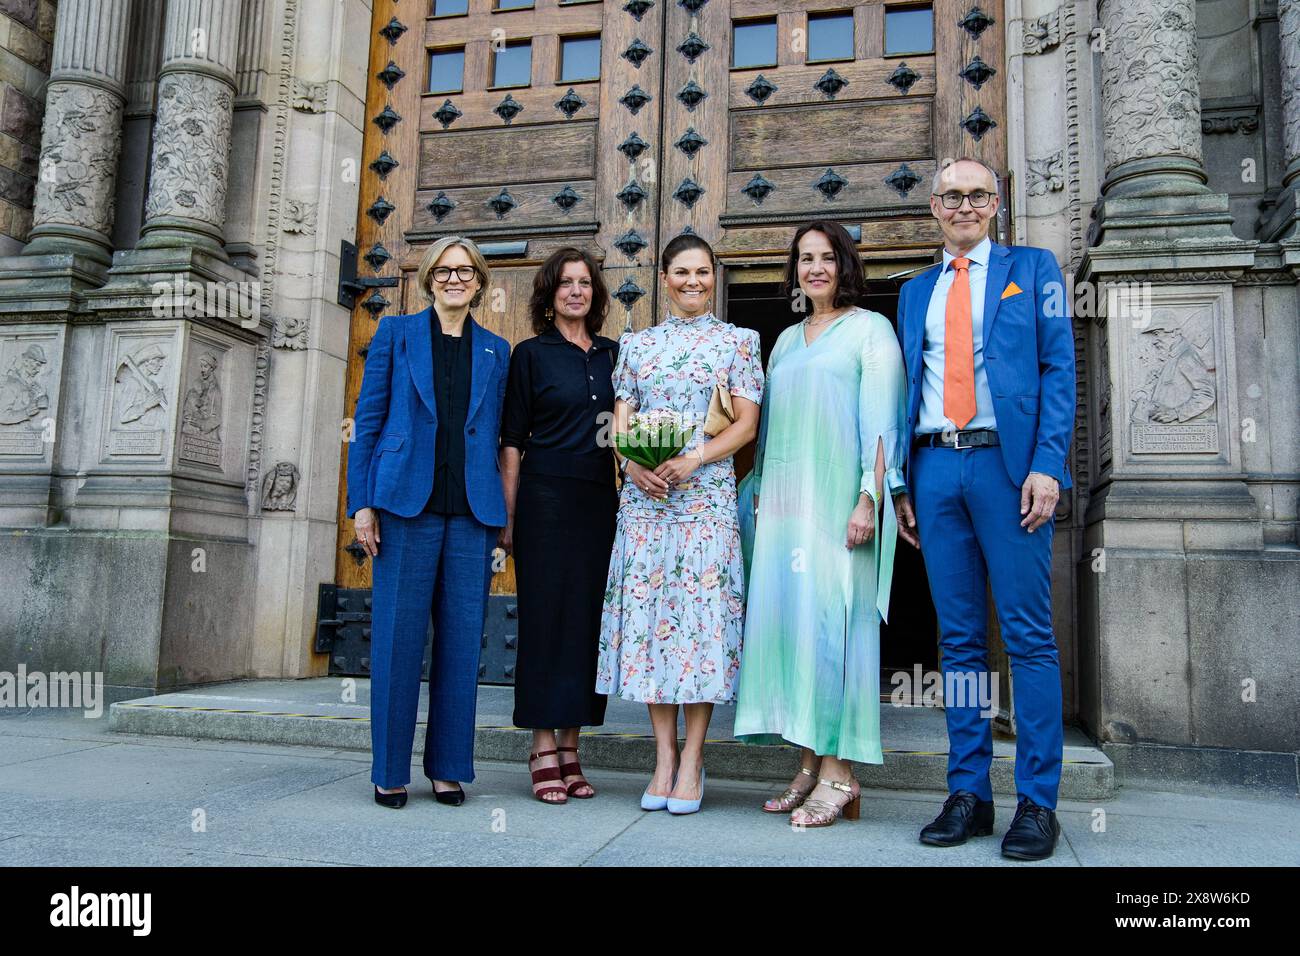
(502, 121)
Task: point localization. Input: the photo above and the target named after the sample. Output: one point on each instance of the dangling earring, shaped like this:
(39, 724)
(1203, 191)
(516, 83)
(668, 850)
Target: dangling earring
(550, 314)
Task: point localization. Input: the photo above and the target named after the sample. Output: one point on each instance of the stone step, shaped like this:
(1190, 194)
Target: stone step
(327, 712)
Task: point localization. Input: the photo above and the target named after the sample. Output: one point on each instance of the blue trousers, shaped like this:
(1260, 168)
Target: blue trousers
(439, 565)
(968, 515)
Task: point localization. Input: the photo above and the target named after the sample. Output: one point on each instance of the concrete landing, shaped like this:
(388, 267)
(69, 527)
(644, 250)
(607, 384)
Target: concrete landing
(314, 712)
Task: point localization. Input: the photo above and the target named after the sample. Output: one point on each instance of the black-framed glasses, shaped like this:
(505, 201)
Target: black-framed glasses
(463, 273)
(979, 198)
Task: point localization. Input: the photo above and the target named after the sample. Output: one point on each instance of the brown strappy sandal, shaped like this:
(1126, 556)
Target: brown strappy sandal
(545, 774)
(575, 770)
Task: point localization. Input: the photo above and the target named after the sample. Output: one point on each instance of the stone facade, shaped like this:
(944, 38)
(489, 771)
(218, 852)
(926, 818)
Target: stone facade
(174, 360)
(1159, 176)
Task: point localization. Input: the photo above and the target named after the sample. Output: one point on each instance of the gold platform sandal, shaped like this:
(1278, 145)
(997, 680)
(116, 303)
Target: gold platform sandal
(791, 799)
(822, 813)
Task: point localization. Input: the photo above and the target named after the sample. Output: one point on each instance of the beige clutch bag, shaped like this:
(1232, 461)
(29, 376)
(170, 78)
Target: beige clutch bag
(721, 414)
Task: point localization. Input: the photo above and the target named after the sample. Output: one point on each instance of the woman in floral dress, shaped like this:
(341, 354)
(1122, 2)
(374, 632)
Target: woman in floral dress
(671, 628)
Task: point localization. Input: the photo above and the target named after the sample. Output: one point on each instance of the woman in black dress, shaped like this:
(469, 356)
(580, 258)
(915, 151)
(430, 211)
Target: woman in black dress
(561, 503)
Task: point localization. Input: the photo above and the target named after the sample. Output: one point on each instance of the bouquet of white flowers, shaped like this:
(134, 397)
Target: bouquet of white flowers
(653, 437)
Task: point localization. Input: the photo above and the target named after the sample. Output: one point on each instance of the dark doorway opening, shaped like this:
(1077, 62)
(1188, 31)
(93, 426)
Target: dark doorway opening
(911, 636)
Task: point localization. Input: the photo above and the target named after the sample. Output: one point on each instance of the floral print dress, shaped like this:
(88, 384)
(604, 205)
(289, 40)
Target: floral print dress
(673, 613)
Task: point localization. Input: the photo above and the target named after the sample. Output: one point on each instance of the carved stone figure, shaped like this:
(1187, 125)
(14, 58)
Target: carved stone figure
(308, 97)
(22, 395)
(290, 332)
(1180, 385)
(142, 401)
(280, 487)
(201, 412)
(1043, 33)
(300, 217)
(1046, 174)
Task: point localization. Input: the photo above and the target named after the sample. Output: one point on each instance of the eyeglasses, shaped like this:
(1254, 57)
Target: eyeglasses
(952, 199)
(463, 273)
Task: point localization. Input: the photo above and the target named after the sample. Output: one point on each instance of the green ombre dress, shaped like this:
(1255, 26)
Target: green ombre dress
(810, 667)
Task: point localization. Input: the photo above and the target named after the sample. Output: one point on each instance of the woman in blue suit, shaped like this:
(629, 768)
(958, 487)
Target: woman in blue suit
(422, 472)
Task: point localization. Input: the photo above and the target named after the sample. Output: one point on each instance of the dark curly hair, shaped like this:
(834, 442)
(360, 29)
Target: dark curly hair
(547, 279)
(849, 276)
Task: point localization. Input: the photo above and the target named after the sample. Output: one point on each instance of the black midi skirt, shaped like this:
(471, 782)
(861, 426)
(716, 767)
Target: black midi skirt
(564, 534)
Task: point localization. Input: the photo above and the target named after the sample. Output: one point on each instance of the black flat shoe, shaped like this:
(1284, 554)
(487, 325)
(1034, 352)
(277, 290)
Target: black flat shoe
(964, 815)
(1033, 834)
(394, 800)
(452, 798)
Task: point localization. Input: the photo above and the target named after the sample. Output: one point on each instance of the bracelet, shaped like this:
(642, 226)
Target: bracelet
(699, 453)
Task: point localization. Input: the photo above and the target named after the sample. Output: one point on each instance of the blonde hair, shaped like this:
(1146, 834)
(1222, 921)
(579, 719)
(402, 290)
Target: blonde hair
(435, 253)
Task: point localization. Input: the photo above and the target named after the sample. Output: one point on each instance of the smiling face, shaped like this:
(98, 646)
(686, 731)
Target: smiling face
(965, 227)
(455, 293)
(690, 282)
(573, 292)
(817, 268)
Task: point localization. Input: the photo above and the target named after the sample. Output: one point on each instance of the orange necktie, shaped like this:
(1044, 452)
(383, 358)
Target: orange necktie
(958, 349)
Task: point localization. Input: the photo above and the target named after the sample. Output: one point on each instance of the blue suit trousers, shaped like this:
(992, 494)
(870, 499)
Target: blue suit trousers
(968, 516)
(439, 566)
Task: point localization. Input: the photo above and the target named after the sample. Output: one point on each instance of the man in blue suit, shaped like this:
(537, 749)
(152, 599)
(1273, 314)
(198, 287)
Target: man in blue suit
(990, 361)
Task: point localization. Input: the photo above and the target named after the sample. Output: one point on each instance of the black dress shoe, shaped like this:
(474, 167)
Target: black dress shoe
(963, 815)
(1033, 833)
(394, 800)
(452, 798)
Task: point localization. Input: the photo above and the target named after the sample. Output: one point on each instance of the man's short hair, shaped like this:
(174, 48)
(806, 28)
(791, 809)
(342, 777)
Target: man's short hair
(934, 186)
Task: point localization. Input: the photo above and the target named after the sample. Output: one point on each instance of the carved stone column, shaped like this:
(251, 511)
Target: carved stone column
(1151, 98)
(1288, 14)
(82, 132)
(191, 153)
(1155, 182)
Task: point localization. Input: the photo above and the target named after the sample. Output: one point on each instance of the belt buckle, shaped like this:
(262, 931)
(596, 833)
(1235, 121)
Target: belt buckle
(956, 441)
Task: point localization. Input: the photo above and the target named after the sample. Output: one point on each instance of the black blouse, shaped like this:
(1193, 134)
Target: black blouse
(559, 400)
(451, 374)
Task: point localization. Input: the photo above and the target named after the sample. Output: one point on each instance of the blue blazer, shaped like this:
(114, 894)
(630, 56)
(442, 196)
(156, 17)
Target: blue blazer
(390, 463)
(1028, 357)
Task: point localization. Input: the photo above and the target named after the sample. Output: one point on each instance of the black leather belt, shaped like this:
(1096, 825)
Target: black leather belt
(976, 438)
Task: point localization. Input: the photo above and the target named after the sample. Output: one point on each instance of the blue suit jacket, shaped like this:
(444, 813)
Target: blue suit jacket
(1028, 357)
(390, 463)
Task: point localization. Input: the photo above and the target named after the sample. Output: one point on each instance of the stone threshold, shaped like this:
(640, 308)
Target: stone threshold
(313, 712)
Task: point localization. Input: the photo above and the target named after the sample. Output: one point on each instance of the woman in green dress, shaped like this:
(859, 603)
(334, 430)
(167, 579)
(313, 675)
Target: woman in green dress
(832, 442)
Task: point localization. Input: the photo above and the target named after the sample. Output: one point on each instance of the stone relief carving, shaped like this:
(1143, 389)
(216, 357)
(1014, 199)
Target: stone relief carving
(1047, 174)
(290, 332)
(1221, 121)
(309, 97)
(139, 409)
(299, 217)
(261, 374)
(190, 153)
(1042, 34)
(24, 398)
(78, 164)
(1149, 81)
(22, 392)
(201, 415)
(1173, 364)
(280, 487)
(279, 156)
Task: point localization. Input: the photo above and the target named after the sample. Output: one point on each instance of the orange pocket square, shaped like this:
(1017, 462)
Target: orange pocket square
(1011, 290)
